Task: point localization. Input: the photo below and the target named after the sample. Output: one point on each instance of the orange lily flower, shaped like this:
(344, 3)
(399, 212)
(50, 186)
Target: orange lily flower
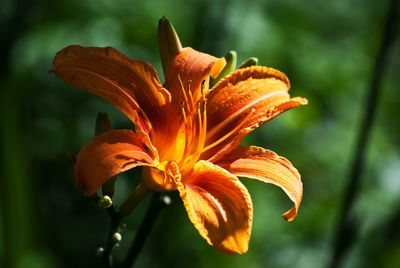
(187, 135)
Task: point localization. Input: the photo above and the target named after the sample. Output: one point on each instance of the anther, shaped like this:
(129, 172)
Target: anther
(198, 105)
(203, 83)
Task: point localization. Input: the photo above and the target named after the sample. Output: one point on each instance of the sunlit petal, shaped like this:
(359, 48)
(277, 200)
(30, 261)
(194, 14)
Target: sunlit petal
(267, 166)
(242, 102)
(108, 155)
(219, 206)
(191, 68)
(131, 85)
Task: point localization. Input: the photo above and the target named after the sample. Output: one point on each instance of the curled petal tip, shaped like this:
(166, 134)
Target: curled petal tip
(300, 100)
(290, 215)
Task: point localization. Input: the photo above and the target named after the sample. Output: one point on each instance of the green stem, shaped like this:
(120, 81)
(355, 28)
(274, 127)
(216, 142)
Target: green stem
(115, 226)
(134, 199)
(156, 204)
(346, 229)
(116, 222)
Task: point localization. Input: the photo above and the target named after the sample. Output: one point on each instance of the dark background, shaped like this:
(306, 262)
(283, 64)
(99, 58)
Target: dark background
(328, 49)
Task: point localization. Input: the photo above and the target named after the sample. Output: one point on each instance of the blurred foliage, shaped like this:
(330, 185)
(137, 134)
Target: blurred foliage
(326, 48)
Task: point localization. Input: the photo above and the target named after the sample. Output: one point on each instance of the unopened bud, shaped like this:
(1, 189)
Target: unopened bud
(103, 124)
(105, 202)
(100, 252)
(249, 62)
(168, 42)
(117, 237)
(166, 200)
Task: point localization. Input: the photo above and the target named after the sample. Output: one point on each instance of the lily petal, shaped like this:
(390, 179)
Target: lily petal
(130, 85)
(219, 206)
(243, 101)
(107, 155)
(192, 68)
(265, 165)
(187, 78)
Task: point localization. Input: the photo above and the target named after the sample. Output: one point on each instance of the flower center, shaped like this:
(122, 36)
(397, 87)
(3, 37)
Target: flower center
(195, 126)
(186, 144)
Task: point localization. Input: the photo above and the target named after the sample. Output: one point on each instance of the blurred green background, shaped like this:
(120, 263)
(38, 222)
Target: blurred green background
(327, 49)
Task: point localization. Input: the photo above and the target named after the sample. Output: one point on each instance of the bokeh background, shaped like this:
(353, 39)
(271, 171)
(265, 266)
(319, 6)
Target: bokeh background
(328, 50)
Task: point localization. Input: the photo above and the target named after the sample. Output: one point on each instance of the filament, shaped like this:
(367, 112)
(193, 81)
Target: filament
(241, 110)
(230, 133)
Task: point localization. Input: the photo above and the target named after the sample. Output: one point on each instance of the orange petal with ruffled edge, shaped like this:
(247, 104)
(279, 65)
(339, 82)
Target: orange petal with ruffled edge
(265, 165)
(130, 85)
(219, 206)
(107, 155)
(241, 102)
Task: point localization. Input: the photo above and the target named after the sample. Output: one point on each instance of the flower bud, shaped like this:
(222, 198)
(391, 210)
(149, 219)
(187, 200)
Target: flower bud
(168, 42)
(116, 237)
(100, 252)
(105, 202)
(166, 200)
(249, 62)
(103, 124)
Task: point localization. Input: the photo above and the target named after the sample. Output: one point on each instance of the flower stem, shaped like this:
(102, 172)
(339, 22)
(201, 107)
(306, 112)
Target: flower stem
(115, 225)
(155, 206)
(133, 200)
(116, 222)
(346, 230)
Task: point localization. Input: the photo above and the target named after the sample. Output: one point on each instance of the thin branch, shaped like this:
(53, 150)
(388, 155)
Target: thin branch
(156, 204)
(115, 225)
(346, 229)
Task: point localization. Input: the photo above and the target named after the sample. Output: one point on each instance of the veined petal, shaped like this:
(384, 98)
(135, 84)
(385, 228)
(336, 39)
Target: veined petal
(131, 85)
(191, 68)
(219, 206)
(264, 165)
(243, 101)
(107, 155)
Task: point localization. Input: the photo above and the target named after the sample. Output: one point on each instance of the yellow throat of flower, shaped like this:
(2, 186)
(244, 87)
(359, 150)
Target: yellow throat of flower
(190, 140)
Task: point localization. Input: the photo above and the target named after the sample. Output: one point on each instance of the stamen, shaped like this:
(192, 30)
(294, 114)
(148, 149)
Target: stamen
(199, 119)
(183, 89)
(201, 136)
(241, 110)
(184, 112)
(190, 95)
(200, 130)
(230, 133)
(203, 133)
(187, 131)
(202, 87)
